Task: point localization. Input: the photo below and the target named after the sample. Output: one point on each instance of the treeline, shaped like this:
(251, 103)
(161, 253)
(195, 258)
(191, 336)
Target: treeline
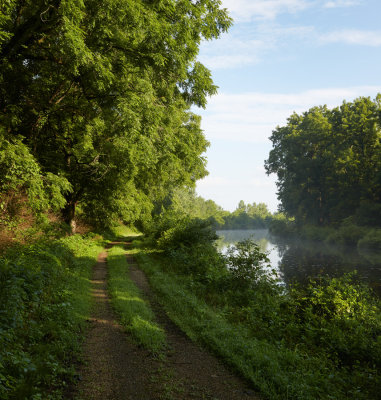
(184, 202)
(95, 101)
(328, 164)
(247, 216)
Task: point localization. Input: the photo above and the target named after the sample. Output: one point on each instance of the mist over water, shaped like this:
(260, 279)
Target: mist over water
(298, 260)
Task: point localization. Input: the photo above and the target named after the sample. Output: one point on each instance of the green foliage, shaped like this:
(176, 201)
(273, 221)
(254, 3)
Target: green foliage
(246, 265)
(100, 97)
(328, 163)
(189, 246)
(135, 314)
(318, 233)
(280, 225)
(44, 301)
(371, 241)
(20, 175)
(348, 233)
(317, 341)
(247, 216)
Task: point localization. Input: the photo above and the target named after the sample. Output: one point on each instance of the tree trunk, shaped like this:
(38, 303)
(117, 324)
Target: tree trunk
(68, 214)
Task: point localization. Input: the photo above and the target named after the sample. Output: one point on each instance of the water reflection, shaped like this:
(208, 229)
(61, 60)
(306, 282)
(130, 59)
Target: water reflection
(300, 260)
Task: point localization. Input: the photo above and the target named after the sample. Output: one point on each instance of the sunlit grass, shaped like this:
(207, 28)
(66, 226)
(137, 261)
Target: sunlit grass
(135, 314)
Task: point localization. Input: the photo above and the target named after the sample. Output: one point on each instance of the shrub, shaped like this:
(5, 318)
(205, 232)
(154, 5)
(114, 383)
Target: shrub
(247, 265)
(280, 225)
(317, 233)
(347, 234)
(371, 241)
(44, 298)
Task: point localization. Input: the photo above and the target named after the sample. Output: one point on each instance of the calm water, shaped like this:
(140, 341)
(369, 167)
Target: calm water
(300, 260)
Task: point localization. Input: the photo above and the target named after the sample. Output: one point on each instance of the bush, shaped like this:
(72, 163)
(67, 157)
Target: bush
(368, 214)
(247, 265)
(316, 233)
(187, 233)
(44, 298)
(347, 234)
(371, 241)
(280, 225)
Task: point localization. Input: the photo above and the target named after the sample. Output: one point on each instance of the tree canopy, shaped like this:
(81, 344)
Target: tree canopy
(328, 163)
(97, 96)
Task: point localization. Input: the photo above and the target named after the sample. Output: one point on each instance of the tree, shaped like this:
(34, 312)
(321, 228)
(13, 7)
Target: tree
(328, 161)
(100, 95)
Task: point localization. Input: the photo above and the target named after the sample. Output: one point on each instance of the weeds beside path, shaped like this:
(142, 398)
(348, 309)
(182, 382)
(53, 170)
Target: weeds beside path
(117, 367)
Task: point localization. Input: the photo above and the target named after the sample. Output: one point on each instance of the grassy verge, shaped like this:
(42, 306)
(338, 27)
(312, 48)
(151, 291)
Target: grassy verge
(44, 301)
(135, 314)
(276, 370)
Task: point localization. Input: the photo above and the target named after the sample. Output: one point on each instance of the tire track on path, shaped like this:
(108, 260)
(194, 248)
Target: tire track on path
(115, 367)
(198, 374)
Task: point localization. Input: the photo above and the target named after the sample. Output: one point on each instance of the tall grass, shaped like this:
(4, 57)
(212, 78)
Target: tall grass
(44, 301)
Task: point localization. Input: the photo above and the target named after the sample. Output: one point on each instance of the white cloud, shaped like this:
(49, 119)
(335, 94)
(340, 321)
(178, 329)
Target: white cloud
(247, 10)
(341, 3)
(248, 46)
(353, 36)
(251, 117)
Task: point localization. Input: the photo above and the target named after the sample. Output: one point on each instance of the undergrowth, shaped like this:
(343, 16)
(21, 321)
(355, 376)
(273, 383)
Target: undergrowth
(44, 302)
(321, 341)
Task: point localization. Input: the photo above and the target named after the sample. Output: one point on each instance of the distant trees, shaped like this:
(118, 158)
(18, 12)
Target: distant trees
(328, 163)
(247, 216)
(97, 95)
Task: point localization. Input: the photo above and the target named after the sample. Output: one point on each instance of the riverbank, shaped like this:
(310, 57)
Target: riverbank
(317, 341)
(364, 238)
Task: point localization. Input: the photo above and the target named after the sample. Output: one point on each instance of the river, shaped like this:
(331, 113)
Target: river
(298, 260)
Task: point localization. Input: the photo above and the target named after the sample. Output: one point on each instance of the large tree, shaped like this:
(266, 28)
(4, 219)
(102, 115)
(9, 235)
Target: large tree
(328, 162)
(100, 95)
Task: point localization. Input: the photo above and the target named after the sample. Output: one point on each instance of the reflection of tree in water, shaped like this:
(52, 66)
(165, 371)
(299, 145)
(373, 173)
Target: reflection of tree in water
(301, 260)
(305, 260)
(231, 237)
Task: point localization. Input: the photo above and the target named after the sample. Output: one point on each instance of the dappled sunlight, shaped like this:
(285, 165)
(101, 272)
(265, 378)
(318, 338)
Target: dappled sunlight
(131, 298)
(102, 321)
(142, 324)
(99, 293)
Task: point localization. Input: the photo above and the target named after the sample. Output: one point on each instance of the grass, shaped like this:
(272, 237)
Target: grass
(45, 300)
(276, 371)
(135, 313)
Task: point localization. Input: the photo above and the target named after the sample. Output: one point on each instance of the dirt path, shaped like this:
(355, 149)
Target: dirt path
(116, 368)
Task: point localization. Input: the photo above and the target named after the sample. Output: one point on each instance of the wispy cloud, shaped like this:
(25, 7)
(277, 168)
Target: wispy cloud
(234, 51)
(249, 46)
(353, 36)
(251, 117)
(247, 10)
(341, 3)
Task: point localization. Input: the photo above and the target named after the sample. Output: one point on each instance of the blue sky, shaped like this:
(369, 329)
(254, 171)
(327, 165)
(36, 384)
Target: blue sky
(279, 57)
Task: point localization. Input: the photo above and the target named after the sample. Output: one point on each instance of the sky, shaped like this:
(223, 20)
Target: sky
(280, 57)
